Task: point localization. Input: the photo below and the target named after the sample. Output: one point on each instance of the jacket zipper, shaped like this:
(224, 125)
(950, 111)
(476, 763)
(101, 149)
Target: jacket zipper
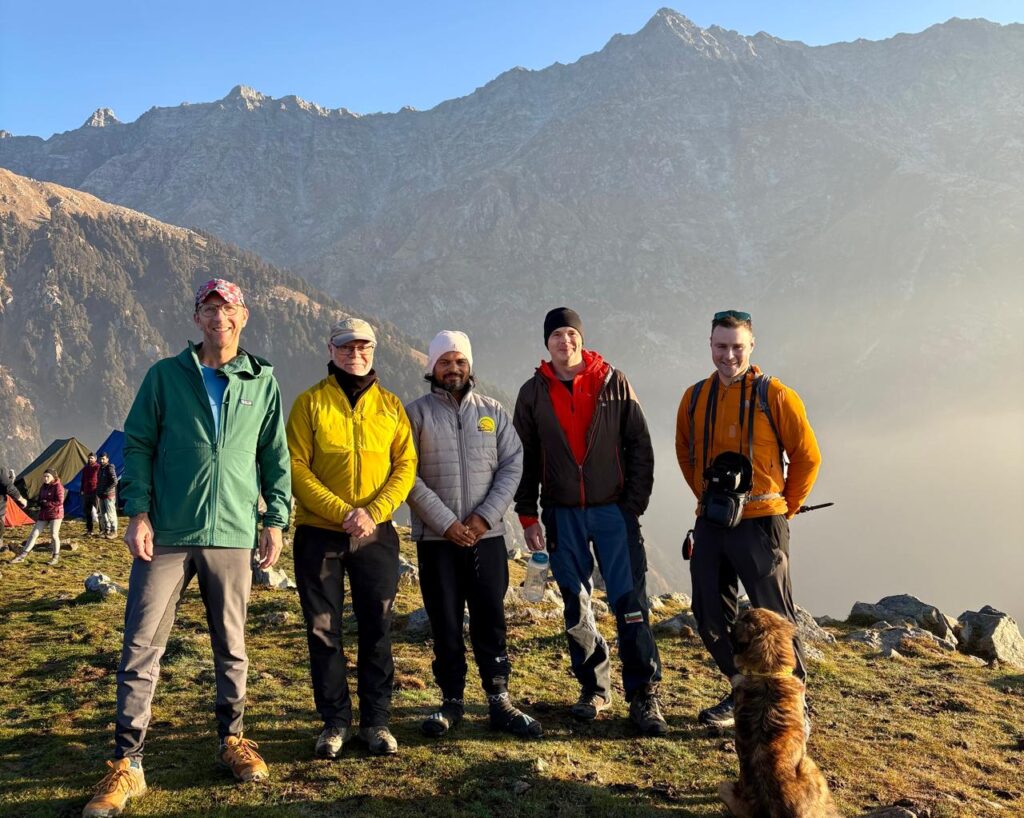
(217, 445)
(463, 465)
(590, 433)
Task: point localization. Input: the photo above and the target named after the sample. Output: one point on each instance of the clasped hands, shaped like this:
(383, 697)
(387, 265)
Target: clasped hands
(467, 532)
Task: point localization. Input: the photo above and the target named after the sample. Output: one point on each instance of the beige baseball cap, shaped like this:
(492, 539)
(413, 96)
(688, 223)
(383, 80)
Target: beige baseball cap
(351, 329)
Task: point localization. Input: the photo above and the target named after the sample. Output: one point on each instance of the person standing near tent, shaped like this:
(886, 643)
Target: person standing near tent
(90, 497)
(106, 491)
(203, 440)
(8, 489)
(51, 515)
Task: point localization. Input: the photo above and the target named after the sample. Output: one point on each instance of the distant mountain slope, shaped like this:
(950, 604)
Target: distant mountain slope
(854, 185)
(92, 294)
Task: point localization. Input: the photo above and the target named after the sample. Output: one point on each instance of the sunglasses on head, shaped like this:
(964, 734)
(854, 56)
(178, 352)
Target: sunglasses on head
(737, 314)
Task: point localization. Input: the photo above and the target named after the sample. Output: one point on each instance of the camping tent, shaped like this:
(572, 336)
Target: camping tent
(13, 515)
(114, 447)
(63, 457)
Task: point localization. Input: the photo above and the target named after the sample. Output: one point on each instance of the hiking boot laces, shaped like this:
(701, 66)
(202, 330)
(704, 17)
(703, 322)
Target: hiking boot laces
(116, 780)
(245, 750)
(650, 709)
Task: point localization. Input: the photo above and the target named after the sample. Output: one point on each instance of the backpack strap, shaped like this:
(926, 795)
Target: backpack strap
(763, 382)
(694, 396)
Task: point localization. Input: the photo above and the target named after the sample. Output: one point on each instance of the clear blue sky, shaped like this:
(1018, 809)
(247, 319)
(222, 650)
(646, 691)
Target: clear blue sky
(60, 61)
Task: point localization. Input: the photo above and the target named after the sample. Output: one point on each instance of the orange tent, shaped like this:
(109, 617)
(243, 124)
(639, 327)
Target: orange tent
(13, 515)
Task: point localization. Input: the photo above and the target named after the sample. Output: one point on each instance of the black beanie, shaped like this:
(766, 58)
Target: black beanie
(561, 317)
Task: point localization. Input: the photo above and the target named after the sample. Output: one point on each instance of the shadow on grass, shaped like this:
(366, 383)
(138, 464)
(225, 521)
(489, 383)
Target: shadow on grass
(490, 788)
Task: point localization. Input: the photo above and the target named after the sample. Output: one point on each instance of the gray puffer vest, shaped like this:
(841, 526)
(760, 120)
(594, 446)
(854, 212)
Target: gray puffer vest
(470, 460)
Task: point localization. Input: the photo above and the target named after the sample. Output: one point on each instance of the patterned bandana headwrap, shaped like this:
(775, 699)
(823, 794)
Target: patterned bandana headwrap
(225, 289)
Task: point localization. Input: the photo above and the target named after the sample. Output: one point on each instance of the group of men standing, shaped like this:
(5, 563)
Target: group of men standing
(99, 496)
(575, 457)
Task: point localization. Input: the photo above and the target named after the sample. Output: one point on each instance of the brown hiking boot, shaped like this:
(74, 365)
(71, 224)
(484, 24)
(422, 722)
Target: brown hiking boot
(239, 755)
(117, 787)
(590, 704)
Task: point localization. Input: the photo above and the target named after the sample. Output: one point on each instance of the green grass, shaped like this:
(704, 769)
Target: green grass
(934, 727)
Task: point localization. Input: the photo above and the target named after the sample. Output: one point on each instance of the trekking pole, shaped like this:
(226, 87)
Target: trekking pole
(802, 509)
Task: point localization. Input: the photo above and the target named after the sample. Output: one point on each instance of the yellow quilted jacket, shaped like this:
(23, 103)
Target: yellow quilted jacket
(345, 457)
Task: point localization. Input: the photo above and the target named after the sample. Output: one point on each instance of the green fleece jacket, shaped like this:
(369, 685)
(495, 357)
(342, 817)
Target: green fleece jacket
(200, 488)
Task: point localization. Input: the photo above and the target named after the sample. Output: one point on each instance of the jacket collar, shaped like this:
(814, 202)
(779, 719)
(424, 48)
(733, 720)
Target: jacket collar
(243, 365)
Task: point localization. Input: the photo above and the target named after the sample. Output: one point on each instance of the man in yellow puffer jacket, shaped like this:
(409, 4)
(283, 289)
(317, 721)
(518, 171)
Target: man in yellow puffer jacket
(353, 464)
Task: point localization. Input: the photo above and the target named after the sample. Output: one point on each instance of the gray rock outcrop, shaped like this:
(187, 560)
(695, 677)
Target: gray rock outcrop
(904, 609)
(892, 640)
(98, 583)
(272, 578)
(992, 635)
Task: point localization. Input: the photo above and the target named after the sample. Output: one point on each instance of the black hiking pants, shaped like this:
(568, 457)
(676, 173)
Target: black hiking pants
(322, 559)
(452, 577)
(91, 511)
(756, 553)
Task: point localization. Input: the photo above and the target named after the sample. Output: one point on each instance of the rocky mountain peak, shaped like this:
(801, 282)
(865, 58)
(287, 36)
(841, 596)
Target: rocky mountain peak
(670, 28)
(101, 118)
(245, 96)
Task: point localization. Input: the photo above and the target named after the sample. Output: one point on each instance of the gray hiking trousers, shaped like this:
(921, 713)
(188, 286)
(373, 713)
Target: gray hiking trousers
(155, 590)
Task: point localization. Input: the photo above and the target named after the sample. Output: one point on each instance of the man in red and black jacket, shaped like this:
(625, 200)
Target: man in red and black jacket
(90, 499)
(587, 458)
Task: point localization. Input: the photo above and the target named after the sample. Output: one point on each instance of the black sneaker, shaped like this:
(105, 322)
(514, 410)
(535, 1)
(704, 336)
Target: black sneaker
(506, 717)
(721, 715)
(447, 716)
(590, 704)
(645, 713)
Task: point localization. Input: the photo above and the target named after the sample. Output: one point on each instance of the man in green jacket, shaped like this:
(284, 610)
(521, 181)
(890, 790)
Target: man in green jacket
(203, 440)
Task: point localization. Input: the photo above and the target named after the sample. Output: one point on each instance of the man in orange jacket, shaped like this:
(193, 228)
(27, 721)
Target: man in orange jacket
(727, 417)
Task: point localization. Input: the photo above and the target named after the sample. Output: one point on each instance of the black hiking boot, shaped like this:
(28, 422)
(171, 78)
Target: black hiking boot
(447, 716)
(645, 713)
(721, 715)
(506, 717)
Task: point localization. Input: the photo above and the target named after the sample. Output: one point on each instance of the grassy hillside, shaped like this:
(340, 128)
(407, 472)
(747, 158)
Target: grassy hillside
(934, 728)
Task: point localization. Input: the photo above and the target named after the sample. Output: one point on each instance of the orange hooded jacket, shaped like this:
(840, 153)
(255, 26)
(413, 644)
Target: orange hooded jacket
(795, 430)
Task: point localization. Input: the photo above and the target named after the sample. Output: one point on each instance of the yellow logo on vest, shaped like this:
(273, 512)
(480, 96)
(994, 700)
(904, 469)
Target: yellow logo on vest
(485, 425)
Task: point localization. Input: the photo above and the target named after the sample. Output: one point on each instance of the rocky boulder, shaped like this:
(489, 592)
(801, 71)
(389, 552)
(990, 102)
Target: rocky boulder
(890, 640)
(905, 609)
(680, 624)
(418, 623)
(408, 573)
(98, 583)
(992, 635)
(272, 578)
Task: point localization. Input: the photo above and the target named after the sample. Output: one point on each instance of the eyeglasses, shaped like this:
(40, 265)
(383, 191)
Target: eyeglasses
(354, 349)
(210, 310)
(737, 314)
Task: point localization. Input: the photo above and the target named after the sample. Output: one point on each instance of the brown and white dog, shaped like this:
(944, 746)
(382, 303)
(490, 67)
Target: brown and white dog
(777, 777)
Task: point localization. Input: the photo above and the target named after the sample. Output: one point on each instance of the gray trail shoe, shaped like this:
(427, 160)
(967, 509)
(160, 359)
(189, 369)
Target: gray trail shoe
(379, 740)
(331, 740)
(590, 704)
(645, 713)
(720, 715)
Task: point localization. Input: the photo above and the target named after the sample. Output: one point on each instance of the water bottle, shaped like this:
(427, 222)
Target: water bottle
(536, 574)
